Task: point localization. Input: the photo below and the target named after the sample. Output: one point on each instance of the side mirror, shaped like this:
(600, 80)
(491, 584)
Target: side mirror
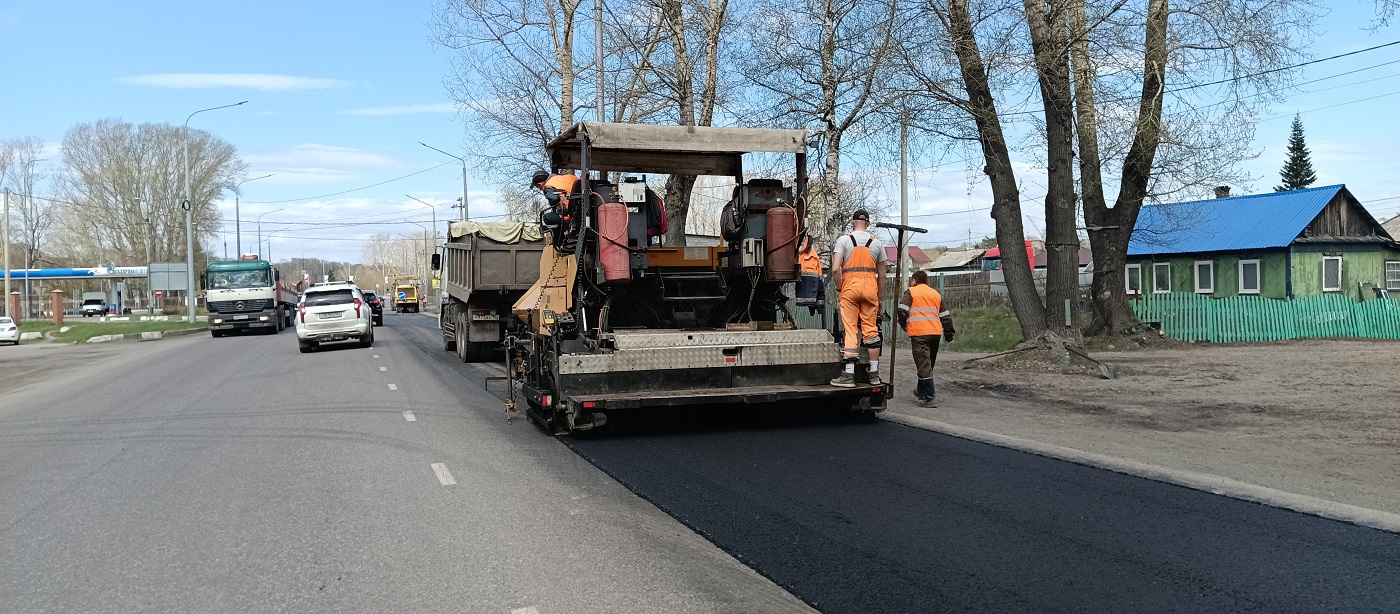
(203, 281)
(437, 262)
(276, 275)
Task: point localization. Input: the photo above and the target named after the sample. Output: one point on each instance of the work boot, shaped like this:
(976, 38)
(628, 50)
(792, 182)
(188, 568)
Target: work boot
(927, 402)
(874, 378)
(846, 380)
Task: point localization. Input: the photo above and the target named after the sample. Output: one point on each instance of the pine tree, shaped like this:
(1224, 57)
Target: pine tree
(1297, 172)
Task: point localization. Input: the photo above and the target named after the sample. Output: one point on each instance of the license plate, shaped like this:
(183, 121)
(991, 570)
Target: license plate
(328, 316)
(240, 317)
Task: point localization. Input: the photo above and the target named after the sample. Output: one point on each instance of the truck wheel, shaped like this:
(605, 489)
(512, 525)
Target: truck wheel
(449, 341)
(216, 333)
(462, 341)
(281, 321)
(481, 351)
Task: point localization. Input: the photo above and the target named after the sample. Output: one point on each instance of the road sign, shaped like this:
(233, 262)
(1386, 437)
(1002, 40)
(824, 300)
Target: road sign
(160, 292)
(403, 296)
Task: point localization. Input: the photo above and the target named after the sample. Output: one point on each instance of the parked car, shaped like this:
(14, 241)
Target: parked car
(376, 306)
(94, 304)
(333, 311)
(9, 331)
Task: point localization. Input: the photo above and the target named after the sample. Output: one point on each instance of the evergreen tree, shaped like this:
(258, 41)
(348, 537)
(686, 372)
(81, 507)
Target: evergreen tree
(1297, 172)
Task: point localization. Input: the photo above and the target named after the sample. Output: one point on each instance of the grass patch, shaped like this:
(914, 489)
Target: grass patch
(82, 331)
(36, 326)
(985, 329)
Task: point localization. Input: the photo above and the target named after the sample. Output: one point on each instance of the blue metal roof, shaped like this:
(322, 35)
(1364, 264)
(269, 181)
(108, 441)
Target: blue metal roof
(1257, 221)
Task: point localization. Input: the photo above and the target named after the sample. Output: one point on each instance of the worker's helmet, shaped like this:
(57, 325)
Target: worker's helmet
(539, 177)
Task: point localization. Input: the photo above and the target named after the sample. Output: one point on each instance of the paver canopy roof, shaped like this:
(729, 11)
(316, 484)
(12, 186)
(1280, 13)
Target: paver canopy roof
(647, 148)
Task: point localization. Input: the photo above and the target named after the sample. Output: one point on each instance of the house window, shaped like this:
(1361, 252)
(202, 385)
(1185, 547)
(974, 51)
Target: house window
(1249, 277)
(1332, 274)
(1205, 277)
(1161, 277)
(1134, 275)
(1392, 275)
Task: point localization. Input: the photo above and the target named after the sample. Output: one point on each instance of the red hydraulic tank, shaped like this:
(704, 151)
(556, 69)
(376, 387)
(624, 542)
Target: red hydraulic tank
(782, 244)
(612, 247)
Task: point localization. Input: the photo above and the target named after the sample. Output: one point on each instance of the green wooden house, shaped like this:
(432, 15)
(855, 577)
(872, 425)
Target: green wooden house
(1277, 245)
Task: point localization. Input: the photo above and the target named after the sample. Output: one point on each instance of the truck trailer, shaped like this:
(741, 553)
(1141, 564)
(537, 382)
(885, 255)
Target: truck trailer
(247, 294)
(485, 268)
(617, 320)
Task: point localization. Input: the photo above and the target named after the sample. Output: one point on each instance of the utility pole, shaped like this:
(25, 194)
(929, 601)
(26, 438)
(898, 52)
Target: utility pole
(188, 206)
(146, 232)
(7, 254)
(598, 51)
(903, 191)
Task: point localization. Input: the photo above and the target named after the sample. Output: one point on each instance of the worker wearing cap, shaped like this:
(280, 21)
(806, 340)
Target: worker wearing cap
(858, 270)
(556, 189)
(923, 317)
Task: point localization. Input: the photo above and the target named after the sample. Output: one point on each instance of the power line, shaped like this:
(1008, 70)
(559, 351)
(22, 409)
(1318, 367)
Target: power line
(375, 185)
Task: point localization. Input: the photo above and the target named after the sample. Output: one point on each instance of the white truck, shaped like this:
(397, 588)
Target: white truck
(247, 294)
(94, 304)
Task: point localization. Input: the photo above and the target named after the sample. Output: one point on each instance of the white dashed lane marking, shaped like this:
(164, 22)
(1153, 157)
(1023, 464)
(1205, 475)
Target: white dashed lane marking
(529, 610)
(393, 387)
(443, 475)
(383, 368)
(408, 415)
(376, 356)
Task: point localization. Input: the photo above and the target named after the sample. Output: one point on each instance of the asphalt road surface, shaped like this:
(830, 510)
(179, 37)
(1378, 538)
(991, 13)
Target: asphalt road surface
(878, 517)
(237, 475)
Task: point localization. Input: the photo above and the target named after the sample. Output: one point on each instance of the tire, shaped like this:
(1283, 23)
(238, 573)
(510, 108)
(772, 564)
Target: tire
(463, 341)
(379, 320)
(368, 341)
(481, 351)
(216, 333)
(281, 322)
(449, 343)
(305, 346)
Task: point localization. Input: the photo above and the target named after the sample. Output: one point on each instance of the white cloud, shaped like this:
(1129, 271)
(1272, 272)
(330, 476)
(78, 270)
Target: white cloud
(235, 80)
(319, 157)
(407, 109)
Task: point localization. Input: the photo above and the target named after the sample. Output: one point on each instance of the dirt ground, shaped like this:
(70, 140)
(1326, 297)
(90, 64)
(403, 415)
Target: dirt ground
(1316, 417)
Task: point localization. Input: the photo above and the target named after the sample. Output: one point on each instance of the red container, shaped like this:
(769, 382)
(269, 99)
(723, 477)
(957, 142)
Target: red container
(612, 247)
(781, 243)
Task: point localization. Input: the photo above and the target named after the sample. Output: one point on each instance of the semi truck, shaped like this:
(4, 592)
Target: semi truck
(618, 320)
(485, 268)
(246, 294)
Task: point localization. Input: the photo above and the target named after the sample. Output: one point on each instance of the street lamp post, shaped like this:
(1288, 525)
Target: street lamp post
(189, 215)
(464, 176)
(260, 245)
(238, 222)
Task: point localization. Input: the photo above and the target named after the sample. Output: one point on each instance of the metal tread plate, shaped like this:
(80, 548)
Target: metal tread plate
(745, 394)
(677, 338)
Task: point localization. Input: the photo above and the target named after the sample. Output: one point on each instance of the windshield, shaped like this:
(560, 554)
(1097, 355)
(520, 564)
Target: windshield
(329, 297)
(95, 301)
(231, 280)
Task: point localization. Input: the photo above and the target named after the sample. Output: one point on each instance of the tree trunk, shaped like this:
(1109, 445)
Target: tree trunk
(1111, 229)
(678, 187)
(1006, 197)
(1049, 41)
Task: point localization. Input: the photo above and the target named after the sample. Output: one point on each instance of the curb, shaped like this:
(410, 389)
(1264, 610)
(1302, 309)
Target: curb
(146, 336)
(1235, 489)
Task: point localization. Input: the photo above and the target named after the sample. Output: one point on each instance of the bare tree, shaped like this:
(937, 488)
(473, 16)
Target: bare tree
(123, 185)
(522, 205)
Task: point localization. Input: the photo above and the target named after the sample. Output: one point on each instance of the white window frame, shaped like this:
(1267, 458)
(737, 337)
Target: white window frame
(1196, 276)
(1392, 266)
(1128, 273)
(1258, 276)
(1338, 287)
(1168, 266)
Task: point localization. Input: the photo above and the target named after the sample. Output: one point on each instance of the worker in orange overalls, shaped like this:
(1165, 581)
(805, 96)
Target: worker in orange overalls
(557, 189)
(811, 291)
(923, 317)
(858, 270)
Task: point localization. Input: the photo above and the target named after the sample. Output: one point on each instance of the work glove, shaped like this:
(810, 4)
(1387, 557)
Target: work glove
(947, 337)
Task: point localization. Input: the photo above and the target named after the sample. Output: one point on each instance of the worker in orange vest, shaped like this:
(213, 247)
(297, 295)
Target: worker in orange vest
(923, 317)
(811, 292)
(858, 270)
(556, 189)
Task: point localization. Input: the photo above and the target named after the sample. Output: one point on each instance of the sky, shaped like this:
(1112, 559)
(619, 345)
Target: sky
(340, 95)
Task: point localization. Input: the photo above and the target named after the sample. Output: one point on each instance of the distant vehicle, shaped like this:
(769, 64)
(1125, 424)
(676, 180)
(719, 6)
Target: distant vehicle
(333, 312)
(246, 294)
(406, 298)
(376, 306)
(94, 304)
(9, 331)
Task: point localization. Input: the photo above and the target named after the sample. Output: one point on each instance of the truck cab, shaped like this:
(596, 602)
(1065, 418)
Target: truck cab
(246, 294)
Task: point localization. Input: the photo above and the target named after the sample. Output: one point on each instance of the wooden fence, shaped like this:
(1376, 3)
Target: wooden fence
(1196, 317)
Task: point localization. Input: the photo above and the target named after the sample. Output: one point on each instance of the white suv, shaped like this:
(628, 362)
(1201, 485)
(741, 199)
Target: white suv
(334, 311)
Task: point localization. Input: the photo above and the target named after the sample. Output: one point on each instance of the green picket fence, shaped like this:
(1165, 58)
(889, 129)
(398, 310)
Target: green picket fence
(1196, 317)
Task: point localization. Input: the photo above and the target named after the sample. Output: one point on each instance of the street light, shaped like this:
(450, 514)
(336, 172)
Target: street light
(464, 176)
(260, 216)
(237, 222)
(189, 216)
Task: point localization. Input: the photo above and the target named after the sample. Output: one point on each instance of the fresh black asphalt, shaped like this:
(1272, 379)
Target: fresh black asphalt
(873, 516)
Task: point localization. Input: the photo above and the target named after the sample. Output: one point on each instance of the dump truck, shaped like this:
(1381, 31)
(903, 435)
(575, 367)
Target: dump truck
(618, 320)
(485, 268)
(246, 294)
(405, 297)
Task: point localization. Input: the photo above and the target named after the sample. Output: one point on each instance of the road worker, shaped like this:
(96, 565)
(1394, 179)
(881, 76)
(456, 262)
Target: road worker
(858, 270)
(556, 189)
(811, 292)
(923, 317)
